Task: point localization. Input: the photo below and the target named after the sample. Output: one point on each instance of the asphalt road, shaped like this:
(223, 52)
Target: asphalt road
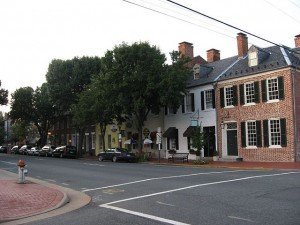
(142, 194)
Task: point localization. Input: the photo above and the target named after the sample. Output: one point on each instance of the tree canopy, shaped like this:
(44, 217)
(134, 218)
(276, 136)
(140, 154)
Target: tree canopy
(3, 96)
(140, 81)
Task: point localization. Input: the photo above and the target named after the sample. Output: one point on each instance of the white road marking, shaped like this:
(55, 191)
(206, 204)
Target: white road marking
(198, 185)
(54, 181)
(162, 203)
(239, 218)
(65, 184)
(160, 219)
(161, 178)
(12, 163)
(92, 164)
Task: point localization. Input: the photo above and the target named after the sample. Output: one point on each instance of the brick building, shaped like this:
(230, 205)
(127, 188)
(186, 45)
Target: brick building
(258, 104)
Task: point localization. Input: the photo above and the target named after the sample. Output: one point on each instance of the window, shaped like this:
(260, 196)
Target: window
(275, 133)
(228, 96)
(249, 93)
(190, 105)
(273, 90)
(253, 61)
(209, 99)
(251, 137)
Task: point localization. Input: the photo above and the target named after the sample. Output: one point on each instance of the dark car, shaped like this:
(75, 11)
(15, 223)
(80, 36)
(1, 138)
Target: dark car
(14, 150)
(117, 154)
(3, 149)
(68, 151)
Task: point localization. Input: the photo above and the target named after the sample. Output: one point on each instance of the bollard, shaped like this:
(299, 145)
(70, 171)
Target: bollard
(21, 170)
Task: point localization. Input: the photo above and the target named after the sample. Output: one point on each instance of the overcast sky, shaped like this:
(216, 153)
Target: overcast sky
(33, 32)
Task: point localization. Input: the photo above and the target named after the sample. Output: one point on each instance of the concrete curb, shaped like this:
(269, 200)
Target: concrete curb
(71, 200)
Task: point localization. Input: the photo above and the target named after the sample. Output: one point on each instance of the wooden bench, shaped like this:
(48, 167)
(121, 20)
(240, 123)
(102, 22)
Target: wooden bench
(179, 156)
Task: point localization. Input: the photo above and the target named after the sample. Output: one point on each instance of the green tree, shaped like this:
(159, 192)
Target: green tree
(19, 129)
(3, 96)
(198, 139)
(29, 106)
(140, 81)
(67, 79)
(2, 130)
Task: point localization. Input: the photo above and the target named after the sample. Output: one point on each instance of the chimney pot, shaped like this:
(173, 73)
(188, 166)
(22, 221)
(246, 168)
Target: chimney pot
(186, 49)
(297, 41)
(242, 44)
(213, 55)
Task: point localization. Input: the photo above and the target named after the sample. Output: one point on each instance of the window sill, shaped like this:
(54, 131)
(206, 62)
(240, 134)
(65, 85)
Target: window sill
(229, 107)
(275, 146)
(251, 147)
(249, 104)
(273, 101)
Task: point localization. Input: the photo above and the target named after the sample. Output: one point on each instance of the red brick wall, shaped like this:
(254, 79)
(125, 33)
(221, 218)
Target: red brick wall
(296, 75)
(261, 111)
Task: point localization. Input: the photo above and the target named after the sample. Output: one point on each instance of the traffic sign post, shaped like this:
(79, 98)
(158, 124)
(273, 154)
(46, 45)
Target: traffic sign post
(158, 141)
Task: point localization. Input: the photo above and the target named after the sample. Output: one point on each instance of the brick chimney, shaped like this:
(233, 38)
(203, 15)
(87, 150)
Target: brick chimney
(242, 44)
(213, 55)
(186, 49)
(297, 41)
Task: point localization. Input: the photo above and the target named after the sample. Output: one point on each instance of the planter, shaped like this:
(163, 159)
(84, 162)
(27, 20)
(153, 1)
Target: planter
(216, 158)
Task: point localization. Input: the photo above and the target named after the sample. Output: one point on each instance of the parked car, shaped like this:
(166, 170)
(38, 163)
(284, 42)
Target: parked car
(14, 150)
(117, 154)
(33, 151)
(3, 149)
(23, 150)
(47, 150)
(65, 151)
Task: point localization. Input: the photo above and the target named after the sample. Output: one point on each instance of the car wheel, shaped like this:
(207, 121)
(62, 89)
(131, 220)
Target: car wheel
(115, 159)
(100, 158)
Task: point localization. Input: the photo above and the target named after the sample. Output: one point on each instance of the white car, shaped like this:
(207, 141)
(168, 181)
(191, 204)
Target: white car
(33, 151)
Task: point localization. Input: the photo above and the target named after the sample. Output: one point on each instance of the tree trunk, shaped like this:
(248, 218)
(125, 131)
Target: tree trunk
(80, 141)
(102, 132)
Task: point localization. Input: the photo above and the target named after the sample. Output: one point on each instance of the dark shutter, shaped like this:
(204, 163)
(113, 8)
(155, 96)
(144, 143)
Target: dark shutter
(264, 90)
(283, 132)
(182, 105)
(222, 97)
(166, 110)
(189, 143)
(266, 133)
(168, 143)
(176, 141)
(202, 100)
(242, 96)
(256, 91)
(193, 102)
(235, 100)
(243, 133)
(258, 133)
(281, 88)
(213, 98)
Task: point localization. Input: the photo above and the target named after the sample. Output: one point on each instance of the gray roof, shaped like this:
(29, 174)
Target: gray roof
(218, 67)
(275, 60)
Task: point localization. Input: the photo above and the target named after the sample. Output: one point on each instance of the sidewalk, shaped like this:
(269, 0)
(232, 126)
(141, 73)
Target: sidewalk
(222, 164)
(23, 200)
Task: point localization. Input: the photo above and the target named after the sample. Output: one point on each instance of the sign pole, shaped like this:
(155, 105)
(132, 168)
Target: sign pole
(158, 141)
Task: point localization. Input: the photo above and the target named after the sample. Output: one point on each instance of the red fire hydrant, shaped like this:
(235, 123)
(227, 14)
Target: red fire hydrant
(21, 169)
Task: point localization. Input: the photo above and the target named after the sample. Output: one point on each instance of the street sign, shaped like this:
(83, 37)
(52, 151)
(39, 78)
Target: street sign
(158, 138)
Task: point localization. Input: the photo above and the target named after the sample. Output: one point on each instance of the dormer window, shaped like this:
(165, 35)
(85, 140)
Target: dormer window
(253, 59)
(196, 70)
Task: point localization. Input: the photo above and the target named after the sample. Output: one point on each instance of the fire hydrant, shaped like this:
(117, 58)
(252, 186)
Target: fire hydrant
(22, 171)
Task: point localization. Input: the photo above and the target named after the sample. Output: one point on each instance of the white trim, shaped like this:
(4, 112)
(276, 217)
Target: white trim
(217, 78)
(275, 146)
(285, 56)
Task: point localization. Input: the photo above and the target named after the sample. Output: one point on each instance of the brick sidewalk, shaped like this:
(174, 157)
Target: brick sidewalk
(23, 200)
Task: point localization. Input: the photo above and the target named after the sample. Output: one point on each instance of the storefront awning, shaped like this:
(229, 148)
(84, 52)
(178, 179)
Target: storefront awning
(171, 132)
(189, 131)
